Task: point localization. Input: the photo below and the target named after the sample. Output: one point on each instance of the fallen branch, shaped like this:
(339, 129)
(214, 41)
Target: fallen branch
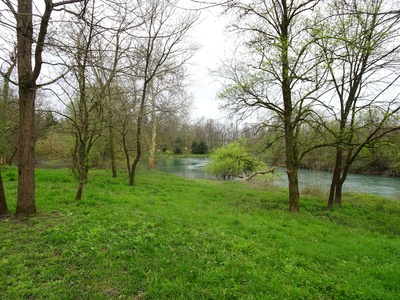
(257, 173)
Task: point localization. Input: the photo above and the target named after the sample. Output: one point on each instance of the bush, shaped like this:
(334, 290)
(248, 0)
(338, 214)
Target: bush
(232, 160)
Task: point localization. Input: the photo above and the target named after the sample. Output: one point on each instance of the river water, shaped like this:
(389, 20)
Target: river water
(373, 184)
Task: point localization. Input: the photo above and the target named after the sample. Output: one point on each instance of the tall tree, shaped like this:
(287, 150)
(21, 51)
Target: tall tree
(277, 72)
(168, 96)
(30, 45)
(92, 51)
(160, 50)
(360, 45)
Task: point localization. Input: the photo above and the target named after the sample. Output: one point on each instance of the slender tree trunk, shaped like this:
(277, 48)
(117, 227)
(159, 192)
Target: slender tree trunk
(111, 139)
(339, 186)
(79, 192)
(138, 148)
(139, 134)
(10, 162)
(81, 163)
(126, 151)
(3, 202)
(112, 153)
(153, 138)
(152, 148)
(335, 177)
(338, 194)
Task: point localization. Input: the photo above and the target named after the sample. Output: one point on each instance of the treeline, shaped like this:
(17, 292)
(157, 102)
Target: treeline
(175, 134)
(54, 143)
(379, 158)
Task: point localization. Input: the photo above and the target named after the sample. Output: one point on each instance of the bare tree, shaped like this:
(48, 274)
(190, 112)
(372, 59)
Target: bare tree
(93, 50)
(168, 96)
(111, 48)
(160, 49)
(31, 41)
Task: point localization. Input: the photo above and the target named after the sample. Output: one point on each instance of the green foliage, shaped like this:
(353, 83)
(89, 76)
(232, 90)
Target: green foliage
(175, 238)
(232, 160)
(178, 146)
(199, 148)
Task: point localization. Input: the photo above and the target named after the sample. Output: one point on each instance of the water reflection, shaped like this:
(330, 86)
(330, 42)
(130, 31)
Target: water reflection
(379, 185)
(185, 167)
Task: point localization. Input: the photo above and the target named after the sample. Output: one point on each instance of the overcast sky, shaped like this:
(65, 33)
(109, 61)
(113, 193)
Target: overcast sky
(210, 35)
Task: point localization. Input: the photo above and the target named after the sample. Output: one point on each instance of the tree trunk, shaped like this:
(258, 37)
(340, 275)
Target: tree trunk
(290, 141)
(10, 162)
(81, 165)
(153, 138)
(139, 134)
(338, 194)
(294, 190)
(27, 92)
(138, 150)
(26, 161)
(79, 193)
(3, 203)
(335, 178)
(339, 185)
(112, 150)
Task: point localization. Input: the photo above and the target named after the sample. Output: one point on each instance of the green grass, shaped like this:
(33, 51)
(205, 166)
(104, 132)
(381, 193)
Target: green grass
(175, 238)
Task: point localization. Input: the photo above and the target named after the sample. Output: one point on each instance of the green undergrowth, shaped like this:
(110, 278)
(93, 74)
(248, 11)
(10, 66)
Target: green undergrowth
(175, 238)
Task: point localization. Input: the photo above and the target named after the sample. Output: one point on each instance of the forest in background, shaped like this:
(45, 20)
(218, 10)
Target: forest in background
(54, 143)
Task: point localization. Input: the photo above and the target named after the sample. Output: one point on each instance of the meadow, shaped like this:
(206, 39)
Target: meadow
(175, 238)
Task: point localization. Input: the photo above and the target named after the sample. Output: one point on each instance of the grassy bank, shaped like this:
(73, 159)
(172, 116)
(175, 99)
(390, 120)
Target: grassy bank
(174, 238)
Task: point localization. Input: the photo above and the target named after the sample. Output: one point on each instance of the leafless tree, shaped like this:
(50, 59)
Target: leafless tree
(94, 49)
(31, 27)
(168, 97)
(160, 49)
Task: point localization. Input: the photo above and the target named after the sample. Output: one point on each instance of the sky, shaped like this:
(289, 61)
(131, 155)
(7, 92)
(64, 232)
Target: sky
(209, 33)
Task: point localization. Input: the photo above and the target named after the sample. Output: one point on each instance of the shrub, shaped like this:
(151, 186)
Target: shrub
(232, 160)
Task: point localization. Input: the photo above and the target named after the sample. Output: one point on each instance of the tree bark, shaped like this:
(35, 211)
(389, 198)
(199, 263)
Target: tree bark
(335, 177)
(26, 161)
(290, 141)
(138, 144)
(27, 93)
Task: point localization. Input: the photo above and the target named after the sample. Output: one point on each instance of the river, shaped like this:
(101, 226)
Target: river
(373, 184)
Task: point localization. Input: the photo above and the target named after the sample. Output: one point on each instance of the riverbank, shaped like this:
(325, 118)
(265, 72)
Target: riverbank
(175, 238)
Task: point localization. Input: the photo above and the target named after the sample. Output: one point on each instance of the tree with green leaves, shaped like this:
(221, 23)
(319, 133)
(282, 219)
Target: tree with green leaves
(360, 45)
(277, 73)
(233, 160)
